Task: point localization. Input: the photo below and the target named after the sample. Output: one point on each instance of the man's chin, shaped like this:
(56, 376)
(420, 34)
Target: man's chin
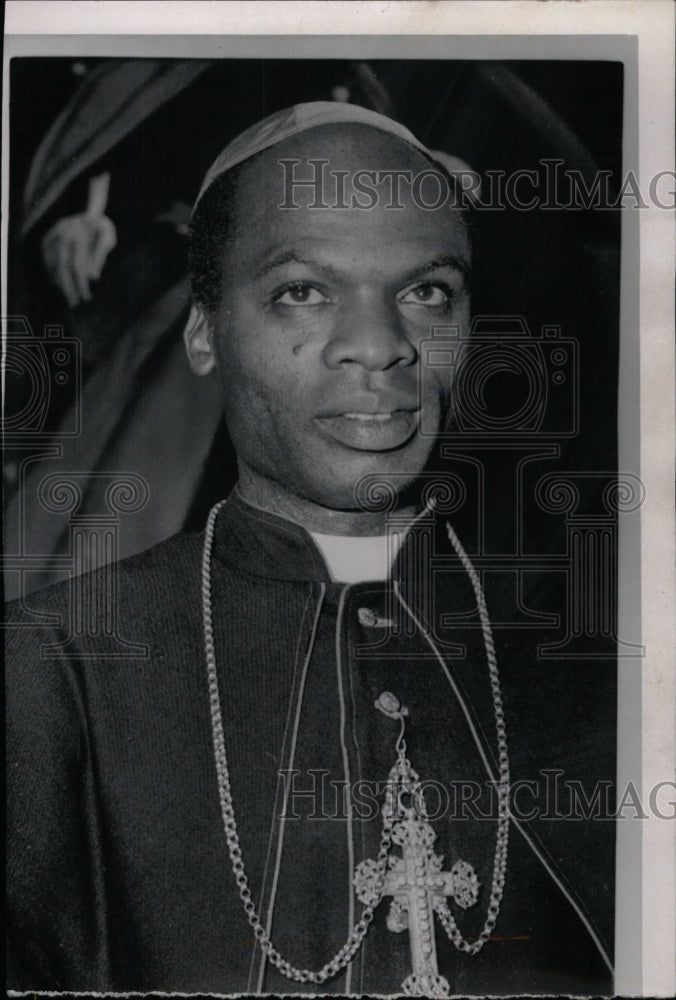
(380, 482)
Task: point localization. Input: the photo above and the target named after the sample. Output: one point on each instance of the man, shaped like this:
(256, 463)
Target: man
(263, 803)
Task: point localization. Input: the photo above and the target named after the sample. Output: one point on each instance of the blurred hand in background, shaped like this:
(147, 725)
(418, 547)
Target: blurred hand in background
(76, 248)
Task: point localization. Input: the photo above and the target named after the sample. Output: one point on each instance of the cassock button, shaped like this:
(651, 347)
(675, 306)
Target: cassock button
(367, 617)
(388, 703)
(371, 620)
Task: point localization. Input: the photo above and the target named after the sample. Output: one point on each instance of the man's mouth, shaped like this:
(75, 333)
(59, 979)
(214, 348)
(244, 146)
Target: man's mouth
(381, 431)
(380, 417)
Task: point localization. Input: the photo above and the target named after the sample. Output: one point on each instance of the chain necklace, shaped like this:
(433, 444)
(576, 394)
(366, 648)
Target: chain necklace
(380, 866)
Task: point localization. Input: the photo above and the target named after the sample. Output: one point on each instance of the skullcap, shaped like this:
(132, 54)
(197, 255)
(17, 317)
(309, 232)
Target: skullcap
(300, 118)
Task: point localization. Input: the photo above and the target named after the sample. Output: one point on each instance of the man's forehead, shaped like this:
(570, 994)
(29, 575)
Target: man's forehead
(350, 241)
(307, 189)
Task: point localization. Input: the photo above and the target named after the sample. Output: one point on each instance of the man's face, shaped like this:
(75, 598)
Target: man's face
(317, 338)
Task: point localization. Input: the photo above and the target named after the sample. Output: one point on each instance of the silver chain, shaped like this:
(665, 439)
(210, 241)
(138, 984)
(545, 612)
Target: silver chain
(502, 836)
(345, 954)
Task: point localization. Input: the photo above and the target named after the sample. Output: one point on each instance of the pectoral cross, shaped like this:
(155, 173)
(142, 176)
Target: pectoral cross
(415, 881)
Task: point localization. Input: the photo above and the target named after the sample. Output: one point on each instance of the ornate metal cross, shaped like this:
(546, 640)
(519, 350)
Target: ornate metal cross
(418, 887)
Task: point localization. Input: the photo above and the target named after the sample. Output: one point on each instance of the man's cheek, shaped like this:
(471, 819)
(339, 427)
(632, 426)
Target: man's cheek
(434, 398)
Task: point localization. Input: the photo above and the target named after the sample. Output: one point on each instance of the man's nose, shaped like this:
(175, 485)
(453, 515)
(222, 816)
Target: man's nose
(371, 335)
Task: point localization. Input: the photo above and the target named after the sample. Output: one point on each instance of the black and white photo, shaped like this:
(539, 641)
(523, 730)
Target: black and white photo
(323, 495)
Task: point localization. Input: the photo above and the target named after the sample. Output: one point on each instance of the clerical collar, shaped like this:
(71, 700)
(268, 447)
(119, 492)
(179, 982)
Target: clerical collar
(356, 559)
(258, 542)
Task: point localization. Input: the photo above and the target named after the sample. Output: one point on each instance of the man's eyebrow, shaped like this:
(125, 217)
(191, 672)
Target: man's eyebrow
(291, 257)
(448, 260)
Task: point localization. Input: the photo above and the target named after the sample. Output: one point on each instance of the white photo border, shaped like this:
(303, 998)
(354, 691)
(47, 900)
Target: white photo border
(495, 29)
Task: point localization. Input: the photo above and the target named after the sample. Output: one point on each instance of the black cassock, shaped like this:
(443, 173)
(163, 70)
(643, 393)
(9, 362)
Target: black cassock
(119, 874)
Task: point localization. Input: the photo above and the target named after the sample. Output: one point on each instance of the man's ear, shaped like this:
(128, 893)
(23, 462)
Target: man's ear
(198, 338)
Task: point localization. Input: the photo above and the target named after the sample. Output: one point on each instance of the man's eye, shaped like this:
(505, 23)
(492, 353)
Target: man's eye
(426, 294)
(299, 294)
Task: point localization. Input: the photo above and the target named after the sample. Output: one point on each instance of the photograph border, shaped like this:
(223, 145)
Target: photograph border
(640, 34)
